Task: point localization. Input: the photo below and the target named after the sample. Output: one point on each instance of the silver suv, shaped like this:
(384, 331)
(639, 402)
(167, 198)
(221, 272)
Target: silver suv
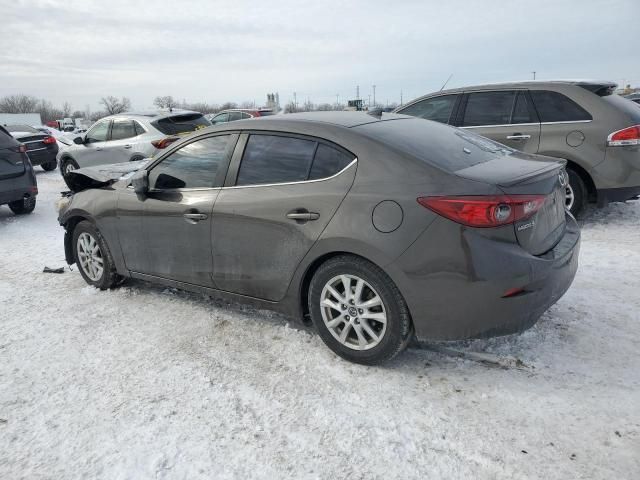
(584, 122)
(128, 137)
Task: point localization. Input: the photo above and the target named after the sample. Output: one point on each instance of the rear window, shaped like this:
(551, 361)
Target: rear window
(22, 128)
(556, 107)
(181, 123)
(6, 140)
(438, 145)
(624, 106)
(265, 113)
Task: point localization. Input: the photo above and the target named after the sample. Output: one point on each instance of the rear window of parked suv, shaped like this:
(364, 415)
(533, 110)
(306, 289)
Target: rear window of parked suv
(181, 123)
(555, 107)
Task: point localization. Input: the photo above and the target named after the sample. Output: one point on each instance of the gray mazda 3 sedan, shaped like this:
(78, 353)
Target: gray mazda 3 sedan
(372, 230)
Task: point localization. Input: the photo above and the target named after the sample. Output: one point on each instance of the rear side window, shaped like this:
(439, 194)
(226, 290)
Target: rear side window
(220, 118)
(521, 112)
(489, 108)
(438, 109)
(195, 165)
(122, 129)
(176, 124)
(139, 128)
(328, 161)
(275, 159)
(233, 116)
(556, 107)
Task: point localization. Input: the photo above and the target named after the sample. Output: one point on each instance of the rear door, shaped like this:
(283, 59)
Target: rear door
(280, 194)
(505, 116)
(93, 151)
(120, 145)
(167, 233)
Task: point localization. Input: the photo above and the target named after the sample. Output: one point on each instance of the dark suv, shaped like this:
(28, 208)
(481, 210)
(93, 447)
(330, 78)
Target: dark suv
(584, 122)
(18, 186)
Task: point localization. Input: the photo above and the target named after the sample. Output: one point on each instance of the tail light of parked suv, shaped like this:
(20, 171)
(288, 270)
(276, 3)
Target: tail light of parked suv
(626, 136)
(22, 148)
(164, 143)
(484, 211)
(48, 140)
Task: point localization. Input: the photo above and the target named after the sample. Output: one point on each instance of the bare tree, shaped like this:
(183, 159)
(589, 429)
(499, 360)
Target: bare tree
(95, 116)
(18, 104)
(324, 107)
(66, 109)
(113, 105)
(47, 111)
(248, 104)
(290, 108)
(228, 105)
(165, 102)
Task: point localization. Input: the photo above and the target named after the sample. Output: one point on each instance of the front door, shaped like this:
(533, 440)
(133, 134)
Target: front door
(93, 151)
(174, 240)
(286, 191)
(504, 116)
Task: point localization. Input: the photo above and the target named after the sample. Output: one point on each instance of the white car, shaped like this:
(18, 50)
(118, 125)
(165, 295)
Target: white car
(128, 137)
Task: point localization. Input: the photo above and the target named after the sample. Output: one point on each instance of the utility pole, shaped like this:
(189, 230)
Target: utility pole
(295, 102)
(400, 97)
(369, 100)
(357, 92)
(534, 74)
(337, 99)
(374, 95)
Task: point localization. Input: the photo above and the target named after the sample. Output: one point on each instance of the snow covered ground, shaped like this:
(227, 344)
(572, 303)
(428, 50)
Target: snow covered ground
(146, 382)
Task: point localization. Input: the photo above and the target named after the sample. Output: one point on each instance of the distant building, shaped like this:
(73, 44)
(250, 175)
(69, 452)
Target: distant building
(20, 119)
(273, 101)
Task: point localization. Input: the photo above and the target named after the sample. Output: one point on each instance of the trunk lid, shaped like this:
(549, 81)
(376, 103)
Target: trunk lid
(524, 174)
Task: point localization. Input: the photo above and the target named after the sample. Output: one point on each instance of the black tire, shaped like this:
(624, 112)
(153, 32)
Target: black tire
(47, 167)
(65, 163)
(579, 189)
(399, 328)
(23, 206)
(109, 277)
(136, 158)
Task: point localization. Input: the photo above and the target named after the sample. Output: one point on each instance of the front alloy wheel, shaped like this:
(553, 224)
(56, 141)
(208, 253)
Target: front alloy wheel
(93, 257)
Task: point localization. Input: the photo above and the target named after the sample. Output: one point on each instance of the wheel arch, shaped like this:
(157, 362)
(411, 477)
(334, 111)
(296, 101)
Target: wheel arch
(592, 193)
(70, 225)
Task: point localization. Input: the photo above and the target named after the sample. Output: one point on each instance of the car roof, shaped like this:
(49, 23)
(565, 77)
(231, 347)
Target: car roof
(589, 84)
(154, 114)
(346, 119)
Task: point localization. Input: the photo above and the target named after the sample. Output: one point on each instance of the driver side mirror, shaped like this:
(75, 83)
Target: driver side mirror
(140, 182)
(78, 140)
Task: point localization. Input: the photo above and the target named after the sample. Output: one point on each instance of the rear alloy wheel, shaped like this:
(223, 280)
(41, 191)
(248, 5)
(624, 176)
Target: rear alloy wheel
(358, 311)
(68, 165)
(47, 167)
(576, 193)
(93, 257)
(24, 206)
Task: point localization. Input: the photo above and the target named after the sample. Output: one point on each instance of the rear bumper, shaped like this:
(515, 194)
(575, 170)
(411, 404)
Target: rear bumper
(43, 156)
(457, 293)
(9, 196)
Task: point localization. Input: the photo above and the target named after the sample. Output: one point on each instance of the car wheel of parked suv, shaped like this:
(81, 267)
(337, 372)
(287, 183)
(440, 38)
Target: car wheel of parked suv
(93, 257)
(358, 311)
(21, 207)
(67, 165)
(576, 193)
(47, 167)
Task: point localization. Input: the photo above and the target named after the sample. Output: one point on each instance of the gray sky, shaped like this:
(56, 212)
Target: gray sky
(79, 51)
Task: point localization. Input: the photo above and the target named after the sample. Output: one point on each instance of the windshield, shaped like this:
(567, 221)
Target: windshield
(185, 123)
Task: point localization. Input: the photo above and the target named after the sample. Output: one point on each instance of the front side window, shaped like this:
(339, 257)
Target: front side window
(556, 107)
(98, 132)
(438, 109)
(195, 165)
(233, 116)
(122, 129)
(220, 118)
(489, 108)
(275, 159)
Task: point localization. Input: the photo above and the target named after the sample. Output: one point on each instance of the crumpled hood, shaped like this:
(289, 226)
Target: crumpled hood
(102, 175)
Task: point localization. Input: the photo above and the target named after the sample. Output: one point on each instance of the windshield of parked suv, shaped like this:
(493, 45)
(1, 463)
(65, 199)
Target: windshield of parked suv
(21, 128)
(185, 123)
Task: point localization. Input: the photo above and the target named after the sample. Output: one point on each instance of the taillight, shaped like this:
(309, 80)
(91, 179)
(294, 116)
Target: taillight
(48, 140)
(626, 136)
(22, 148)
(164, 143)
(484, 211)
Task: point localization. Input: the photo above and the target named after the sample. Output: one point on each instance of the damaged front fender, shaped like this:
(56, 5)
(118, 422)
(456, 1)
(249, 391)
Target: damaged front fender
(102, 175)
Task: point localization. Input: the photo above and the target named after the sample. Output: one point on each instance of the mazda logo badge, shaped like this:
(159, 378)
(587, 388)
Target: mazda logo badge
(562, 178)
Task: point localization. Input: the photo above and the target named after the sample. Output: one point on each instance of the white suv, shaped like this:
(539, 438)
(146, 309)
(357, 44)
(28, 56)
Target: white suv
(128, 137)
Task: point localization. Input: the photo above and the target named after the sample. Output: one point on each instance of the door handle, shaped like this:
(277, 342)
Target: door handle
(194, 217)
(127, 146)
(518, 136)
(302, 216)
